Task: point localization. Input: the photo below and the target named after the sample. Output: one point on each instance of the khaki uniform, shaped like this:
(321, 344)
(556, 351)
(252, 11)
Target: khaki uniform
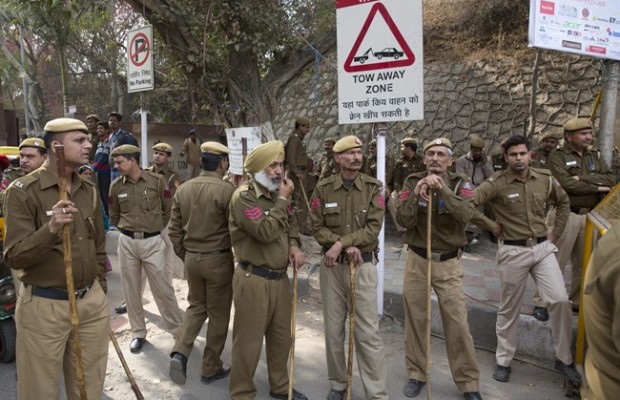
(140, 211)
(172, 181)
(297, 161)
(262, 228)
(44, 350)
(199, 233)
(601, 310)
(450, 216)
(520, 206)
(405, 167)
(354, 217)
(328, 166)
(592, 171)
(193, 158)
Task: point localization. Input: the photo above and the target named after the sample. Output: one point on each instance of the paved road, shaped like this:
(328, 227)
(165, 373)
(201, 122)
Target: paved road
(151, 366)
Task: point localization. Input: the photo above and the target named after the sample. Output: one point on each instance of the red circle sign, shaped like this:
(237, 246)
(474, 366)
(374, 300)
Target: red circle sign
(139, 49)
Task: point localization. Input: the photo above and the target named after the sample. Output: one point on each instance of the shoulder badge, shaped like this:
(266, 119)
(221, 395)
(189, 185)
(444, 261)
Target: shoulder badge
(19, 184)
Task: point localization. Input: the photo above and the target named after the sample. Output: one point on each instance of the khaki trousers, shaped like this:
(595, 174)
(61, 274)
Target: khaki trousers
(570, 252)
(172, 260)
(336, 295)
(262, 309)
(45, 345)
(138, 256)
(515, 263)
(447, 281)
(209, 279)
(192, 171)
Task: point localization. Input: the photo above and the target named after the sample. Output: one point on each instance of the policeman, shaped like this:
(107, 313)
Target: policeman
(548, 142)
(33, 245)
(297, 161)
(408, 162)
(347, 213)
(601, 303)
(191, 149)
(497, 159)
(91, 123)
(518, 197)
(327, 165)
(586, 177)
(140, 208)
(450, 213)
(265, 237)
(199, 232)
(370, 168)
(162, 153)
(476, 165)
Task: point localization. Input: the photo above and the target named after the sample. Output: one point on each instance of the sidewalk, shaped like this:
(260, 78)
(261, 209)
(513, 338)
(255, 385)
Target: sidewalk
(481, 285)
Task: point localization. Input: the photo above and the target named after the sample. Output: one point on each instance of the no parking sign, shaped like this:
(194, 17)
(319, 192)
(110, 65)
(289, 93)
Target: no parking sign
(140, 74)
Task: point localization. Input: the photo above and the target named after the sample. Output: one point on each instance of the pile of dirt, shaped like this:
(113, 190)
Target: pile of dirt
(475, 29)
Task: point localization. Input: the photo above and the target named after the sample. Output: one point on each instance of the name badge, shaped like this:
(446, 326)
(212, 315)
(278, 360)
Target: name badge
(331, 205)
(512, 196)
(122, 195)
(571, 163)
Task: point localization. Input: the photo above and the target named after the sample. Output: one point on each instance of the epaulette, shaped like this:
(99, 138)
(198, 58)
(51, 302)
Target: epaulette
(370, 179)
(26, 180)
(543, 171)
(497, 175)
(327, 181)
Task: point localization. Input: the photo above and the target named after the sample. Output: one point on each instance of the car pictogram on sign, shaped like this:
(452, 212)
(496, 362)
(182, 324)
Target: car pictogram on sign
(389, 52)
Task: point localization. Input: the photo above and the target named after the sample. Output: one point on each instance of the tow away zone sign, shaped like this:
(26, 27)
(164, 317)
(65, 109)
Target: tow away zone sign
(380, 61)
(140, 74)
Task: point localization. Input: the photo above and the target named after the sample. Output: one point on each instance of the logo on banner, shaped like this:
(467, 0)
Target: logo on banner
(389, 51)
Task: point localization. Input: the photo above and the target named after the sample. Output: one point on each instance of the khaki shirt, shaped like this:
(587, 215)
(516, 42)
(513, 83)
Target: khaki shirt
(262, 227)
(172, 178)
(328, 166)
(591, 169)
(405, 167)
(351, 215)
(520, 206)
(142, 206)
(370, 168)
(296, 156)
(37, 254)
(601, 303)
(192, 151)
(199, 215)
(450, 213)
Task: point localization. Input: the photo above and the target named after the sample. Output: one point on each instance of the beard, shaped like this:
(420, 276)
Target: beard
(271, 184)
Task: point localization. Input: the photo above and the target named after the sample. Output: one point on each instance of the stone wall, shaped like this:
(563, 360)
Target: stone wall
(487, 97)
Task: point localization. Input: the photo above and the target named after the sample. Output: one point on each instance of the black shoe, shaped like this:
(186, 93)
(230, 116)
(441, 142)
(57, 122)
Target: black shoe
(568, 371)
(178, 368)
(296, 396)
(121, 308)
(502, 374)
(541, 314)
(136, 344)
(413, 387)
(336, 394)
(472, 396)
(223, 373)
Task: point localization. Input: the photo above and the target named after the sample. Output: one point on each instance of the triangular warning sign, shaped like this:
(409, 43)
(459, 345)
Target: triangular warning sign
(394, 58)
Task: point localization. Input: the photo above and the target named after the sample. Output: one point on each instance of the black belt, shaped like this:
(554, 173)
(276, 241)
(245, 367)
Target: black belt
(526, 242)
(435, 256)
(139, 235)
(211, 253)
(580, 210)
(267, 273)
(57, 294)
(343, 259)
